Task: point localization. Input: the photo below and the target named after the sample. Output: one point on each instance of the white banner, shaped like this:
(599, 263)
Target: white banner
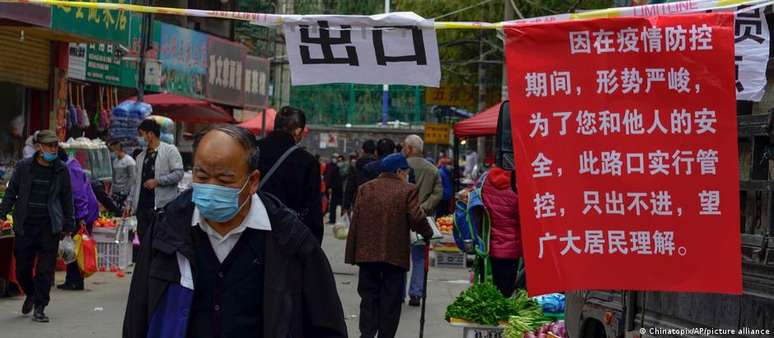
(398, 48)
(752, 54)
(76, 62)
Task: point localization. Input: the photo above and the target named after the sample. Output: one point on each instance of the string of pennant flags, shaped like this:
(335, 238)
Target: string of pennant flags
(273, 20)
(402, 48)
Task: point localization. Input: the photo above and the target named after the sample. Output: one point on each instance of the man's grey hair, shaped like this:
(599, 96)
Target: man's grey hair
(416, 144)
(239, 134)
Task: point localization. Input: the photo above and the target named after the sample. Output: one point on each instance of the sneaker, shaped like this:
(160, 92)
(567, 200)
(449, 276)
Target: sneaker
(39, 316)
(414, 301)
(27, 307)
(69, 287)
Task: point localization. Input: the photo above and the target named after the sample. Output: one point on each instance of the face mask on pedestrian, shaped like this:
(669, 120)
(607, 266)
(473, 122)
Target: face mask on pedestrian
(218, 203)
(404, 175)
(142, 142)
(50, 157)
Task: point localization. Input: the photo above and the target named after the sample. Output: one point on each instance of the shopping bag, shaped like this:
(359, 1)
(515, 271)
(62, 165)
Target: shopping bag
(67, 250)
(341, 230)
(86, 252)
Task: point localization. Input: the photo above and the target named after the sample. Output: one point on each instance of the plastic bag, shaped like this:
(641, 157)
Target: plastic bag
(86, 252)
(551, 303)
(67, 250)
(341, 230)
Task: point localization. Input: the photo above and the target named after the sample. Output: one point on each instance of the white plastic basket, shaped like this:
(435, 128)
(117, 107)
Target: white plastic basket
(110, 255)
(114, 249)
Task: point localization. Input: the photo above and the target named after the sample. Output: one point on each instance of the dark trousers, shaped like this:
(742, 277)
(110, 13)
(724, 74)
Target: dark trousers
(145, 217)
(379, 286)
(444, 208)
(74, 276)
(42, 246)
(504, 272)
(335, 202)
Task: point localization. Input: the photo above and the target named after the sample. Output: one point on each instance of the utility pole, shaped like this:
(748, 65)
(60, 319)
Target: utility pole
(386, 88)
(145, 33)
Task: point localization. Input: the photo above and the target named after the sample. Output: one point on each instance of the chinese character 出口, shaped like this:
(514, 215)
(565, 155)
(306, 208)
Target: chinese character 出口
(326, 42)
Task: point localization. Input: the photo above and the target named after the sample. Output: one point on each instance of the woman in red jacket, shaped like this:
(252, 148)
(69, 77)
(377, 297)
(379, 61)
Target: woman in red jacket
(505, 244)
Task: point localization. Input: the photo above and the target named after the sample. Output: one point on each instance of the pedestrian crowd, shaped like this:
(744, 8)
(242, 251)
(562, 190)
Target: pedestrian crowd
(240, 251)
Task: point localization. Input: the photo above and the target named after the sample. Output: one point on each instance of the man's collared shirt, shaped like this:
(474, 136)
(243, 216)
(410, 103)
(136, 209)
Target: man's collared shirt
(257, 218)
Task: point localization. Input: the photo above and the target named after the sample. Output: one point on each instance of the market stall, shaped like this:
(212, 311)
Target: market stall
(482, 311)
(93, 156)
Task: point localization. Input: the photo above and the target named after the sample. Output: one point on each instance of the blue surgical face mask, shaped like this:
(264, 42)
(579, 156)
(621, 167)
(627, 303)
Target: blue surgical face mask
(143, 143)
(50, 157)
(217, 203)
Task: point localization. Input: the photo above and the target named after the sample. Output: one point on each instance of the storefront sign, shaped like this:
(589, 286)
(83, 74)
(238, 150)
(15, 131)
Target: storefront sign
(183, 61)
(117, 26)
(626, 153)
(27, 13)
(256, 82)
(226, 71)
(100, 63)
(437, 133)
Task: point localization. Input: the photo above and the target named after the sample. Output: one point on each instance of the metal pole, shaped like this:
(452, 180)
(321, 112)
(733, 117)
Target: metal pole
(263, 122)
(145, 33)
(386, 88)
(424, 290)
(481, 148)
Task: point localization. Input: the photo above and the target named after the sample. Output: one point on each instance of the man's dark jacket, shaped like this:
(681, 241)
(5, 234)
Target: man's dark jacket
(60, 198)
(300, 297)
(296, 183)
(362, 175)
(333, 182)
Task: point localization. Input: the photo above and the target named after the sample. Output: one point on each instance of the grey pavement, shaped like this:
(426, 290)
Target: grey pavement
(98, 311)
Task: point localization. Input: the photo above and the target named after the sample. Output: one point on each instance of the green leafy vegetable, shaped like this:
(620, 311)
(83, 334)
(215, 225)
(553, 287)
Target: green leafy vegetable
(528, 318)
(482, 304)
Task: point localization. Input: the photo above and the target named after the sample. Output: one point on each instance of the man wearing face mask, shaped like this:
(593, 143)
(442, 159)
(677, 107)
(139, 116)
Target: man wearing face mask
(40, 196)
(225, 260)
(159, 168)
(291, 173)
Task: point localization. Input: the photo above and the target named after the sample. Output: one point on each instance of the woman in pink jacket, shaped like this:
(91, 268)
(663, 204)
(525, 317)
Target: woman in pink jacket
(505, 244)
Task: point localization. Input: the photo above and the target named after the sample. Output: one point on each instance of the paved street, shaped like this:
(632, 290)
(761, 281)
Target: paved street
(98, 311)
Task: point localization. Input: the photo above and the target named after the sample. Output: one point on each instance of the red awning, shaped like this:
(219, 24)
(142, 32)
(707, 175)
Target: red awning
(482, 124)
(186, 109)
(254, 124)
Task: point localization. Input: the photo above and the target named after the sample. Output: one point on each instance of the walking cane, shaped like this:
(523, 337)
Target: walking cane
(424, 290)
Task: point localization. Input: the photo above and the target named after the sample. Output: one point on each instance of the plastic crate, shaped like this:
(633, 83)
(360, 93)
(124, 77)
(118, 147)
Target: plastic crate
(109, 252)
(111, 255)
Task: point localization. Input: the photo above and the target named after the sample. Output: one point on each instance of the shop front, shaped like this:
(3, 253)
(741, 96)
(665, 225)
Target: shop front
(25, 71)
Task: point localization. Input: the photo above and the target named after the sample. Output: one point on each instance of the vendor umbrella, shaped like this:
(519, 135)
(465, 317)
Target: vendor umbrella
(254, 125)
(186, 109)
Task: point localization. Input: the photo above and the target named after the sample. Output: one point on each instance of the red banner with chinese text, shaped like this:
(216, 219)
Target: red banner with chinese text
(626, 152)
